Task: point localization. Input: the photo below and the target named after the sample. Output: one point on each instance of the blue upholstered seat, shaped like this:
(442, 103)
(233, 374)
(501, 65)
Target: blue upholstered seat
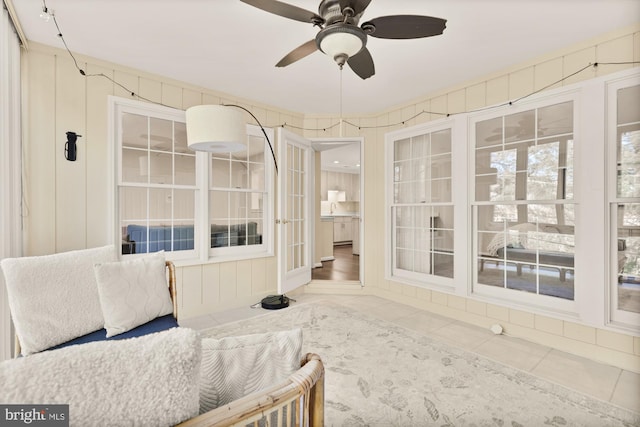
(156, 325)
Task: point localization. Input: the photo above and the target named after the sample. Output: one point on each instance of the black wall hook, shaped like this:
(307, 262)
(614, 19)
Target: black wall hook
(70, 149)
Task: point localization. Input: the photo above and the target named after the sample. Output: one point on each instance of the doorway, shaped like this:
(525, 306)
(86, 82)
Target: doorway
(339, 220)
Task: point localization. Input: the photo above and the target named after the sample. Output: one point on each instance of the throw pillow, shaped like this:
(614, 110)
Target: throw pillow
(132, 292)
(234, 367)
(54, 298)
(147, 381)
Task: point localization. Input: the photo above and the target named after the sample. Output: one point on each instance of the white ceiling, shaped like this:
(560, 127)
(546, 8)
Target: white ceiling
(231, 47)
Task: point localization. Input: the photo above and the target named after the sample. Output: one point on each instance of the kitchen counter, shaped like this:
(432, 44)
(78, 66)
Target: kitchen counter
(344, 214)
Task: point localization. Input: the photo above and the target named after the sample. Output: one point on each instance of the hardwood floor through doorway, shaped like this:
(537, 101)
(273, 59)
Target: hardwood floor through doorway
(345, 266)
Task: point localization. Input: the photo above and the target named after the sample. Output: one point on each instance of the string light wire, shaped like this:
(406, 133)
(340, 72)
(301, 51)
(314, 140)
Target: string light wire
(341, 121)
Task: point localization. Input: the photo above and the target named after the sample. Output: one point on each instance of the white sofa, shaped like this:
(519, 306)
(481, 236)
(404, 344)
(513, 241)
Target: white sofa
(164, 377)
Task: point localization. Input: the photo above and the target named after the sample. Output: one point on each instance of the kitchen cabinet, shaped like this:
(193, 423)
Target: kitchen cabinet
(326, 226)
(342, 230)
(355, 232)
(347, 182)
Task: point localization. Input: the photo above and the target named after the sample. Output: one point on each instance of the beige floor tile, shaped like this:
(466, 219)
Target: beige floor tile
(627, 391)
(390, 311)
(578, 373)
(462, 335)
(307, 298)
(423, 322)
(362, 303)
(514, 352)
(238, 314)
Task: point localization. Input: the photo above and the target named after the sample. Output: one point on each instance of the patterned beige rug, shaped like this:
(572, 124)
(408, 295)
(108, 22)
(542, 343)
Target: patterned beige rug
(380, 374)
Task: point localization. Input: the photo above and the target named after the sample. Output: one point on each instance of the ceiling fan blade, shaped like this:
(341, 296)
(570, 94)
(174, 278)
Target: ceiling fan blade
(358, 6)
(298, 53)
(405, 26)
(286, 10)
(362, 64)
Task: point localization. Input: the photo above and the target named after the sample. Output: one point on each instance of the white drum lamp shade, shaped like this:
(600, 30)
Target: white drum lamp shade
(216, 129)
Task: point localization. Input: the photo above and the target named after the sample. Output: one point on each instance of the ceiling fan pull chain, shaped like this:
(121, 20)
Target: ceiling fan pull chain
(340, 102)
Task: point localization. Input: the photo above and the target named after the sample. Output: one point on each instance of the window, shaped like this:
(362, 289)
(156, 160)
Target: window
(157, 191)
(422, 207)
(237, 199)
(524, 211)
(165, 201)
(625, 201)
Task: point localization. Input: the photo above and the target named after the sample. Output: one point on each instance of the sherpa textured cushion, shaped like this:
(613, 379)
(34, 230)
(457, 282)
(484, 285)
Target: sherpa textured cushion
(132, 292)
(146, 381)
(54, 298)
(234, 367)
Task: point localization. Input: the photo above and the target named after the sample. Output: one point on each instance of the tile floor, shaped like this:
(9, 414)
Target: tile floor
(601, 381)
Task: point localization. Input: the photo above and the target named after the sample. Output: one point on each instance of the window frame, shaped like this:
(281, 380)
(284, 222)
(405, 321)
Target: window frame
(202, 252)
(594, 183)
(266, 247)
(621, 319)
(515, 296)
(457, 203)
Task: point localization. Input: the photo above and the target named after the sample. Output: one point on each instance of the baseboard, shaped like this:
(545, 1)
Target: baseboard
(327, 258)
(335, 287)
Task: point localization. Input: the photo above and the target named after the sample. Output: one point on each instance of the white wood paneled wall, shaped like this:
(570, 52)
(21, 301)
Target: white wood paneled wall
(69, 204)
(619, 349)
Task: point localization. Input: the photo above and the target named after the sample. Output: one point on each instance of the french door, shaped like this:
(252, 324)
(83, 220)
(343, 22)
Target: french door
(295, 211)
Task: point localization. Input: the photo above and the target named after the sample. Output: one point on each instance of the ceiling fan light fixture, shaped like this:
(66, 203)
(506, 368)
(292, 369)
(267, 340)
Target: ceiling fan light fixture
(341, 41)
(215, 129)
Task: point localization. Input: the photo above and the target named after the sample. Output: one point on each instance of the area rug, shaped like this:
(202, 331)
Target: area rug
(381, 374)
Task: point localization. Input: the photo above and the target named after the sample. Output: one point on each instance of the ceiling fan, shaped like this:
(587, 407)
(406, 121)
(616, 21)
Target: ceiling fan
(341, 38)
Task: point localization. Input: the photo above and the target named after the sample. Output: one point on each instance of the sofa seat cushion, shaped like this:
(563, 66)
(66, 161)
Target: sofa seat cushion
(146, 381)
(156, 325)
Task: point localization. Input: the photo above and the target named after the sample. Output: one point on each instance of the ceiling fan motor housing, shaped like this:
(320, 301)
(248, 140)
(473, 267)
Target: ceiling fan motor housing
(332, 12)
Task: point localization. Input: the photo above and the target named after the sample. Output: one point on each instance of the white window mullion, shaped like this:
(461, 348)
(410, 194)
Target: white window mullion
(589, 196)
(202, 241)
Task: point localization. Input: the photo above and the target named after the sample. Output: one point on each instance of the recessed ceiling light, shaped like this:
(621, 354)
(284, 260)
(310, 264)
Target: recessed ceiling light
(336, 161)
